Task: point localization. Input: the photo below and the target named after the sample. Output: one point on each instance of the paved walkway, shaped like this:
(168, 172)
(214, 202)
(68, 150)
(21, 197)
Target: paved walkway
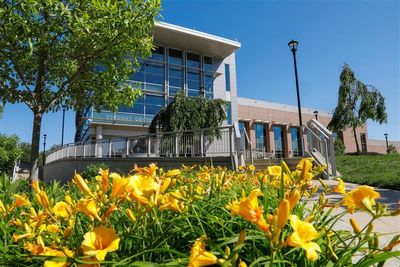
(387, 226)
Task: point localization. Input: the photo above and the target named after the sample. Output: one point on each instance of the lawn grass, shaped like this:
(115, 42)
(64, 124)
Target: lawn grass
(375, 170)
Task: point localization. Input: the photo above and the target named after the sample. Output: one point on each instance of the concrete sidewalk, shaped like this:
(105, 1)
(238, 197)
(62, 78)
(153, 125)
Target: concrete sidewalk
(388, 227)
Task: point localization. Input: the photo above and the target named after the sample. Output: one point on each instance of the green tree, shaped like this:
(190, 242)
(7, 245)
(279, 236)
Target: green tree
(10, 152)
(340, 147)
(357, 103)
(187, 113)
(26, 151)
(74, 53)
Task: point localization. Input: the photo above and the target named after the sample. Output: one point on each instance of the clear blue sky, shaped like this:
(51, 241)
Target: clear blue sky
(364, 34)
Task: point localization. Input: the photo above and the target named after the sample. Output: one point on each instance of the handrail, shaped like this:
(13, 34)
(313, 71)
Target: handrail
(193, 143)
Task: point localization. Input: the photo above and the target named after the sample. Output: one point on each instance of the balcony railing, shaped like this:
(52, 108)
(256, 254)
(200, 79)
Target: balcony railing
(195, 143)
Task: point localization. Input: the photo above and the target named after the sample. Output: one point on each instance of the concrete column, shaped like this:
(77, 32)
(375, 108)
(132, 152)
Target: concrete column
(252, 134)
(288, 135)
(271, 139)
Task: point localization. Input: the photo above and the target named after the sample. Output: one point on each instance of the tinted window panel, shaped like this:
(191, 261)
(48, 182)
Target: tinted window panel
(193, 93)
(208, 64)
(158, 54)
(175, 57)
(193, 60)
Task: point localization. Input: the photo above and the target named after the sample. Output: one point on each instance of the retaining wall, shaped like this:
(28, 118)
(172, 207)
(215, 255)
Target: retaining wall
(63, 170)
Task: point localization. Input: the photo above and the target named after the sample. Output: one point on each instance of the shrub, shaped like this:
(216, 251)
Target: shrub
(392, 149)
(10, 152)
(340, 147)
(205, 216)
(92, 170)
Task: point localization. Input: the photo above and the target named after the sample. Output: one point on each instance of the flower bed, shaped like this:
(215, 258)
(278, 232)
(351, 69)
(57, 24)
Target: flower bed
(190, 217)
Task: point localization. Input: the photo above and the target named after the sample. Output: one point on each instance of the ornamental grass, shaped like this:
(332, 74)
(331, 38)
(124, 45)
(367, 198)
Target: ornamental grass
(193, 216)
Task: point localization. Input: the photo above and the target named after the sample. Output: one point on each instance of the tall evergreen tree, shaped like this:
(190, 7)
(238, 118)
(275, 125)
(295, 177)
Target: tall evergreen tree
(357, 103)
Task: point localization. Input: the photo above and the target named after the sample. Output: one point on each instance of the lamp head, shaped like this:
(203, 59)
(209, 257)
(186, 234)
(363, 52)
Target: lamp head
(386, 135)
(293, 45)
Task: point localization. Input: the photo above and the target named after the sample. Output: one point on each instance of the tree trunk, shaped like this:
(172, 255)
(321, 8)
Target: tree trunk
(355, 138)
(37, 122)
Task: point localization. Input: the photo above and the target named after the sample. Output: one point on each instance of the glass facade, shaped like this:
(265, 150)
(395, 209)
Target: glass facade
(295, 134)
(161, 76)
(260, 136)
(279, 141)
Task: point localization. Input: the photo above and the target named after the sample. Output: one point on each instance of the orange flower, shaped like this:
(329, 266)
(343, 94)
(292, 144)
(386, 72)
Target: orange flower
(363, 197)
(199, 256)
(62, 209)
(248, 208)
(81, 183)
(20, 201)
(340, 187)
(89, 207)
(118, 185)
(99, 242)
(104, 180)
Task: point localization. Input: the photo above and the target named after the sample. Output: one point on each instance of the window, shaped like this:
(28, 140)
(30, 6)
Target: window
(175, 57)
(193, 80)
(175, 80)
(279, 141)
(229, 113)
(150, 76)
(363, 142)
(227, 78)
(260, 136)
(158, 54)
(154, 104)
(295, 133)
(193, 60)
(208, 65)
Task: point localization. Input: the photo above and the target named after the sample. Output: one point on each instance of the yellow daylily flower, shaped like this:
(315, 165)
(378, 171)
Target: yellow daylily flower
(293, 198)
(340, 187)
(355, 225)
(172, 173)
(89, 207)
(118, 185)
(303, 235)
(20, 201)
(142, 188)
(363, 197)
(248, 208)
(199, 256)
(252, 167)
(165, 184)
(82, 185)
(275, 173)
(43, 200)
(41, 249)
(146, 171)
(62, 209)
(283, 212)
(104, 179)
(99, 242)
(170, 201)
(130, 215)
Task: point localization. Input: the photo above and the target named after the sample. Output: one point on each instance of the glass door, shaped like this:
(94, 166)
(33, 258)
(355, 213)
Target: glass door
(295, 133)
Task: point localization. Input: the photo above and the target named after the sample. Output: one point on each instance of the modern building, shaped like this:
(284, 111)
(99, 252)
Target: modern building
(184, 59)
(201, 63)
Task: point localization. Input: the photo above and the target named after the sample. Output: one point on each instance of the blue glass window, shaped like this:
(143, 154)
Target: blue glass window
(175, 80)
(229, 113)
(209, 82)
(227, 78)
(208, 65)
(193, 79)
(260, 136)
(175, 57)
(158, 54)
(193, 60)
(279, 141)
(155, 77)
(154, 104)
(295, 141)
(138, 107)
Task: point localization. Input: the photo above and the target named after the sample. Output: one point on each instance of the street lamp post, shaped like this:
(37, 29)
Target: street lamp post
(293, 47)
(316, 114)
(44, 149)
(62, 130)
(387, 143)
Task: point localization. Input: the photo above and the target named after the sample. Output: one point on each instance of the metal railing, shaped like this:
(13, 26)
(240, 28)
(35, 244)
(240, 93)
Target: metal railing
(246, 147)
(193, 143)
(320, 145)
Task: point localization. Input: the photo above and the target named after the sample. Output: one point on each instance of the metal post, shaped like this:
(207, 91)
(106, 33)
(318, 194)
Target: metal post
(293, 46)
(62, 130)
(148, 146)
(202, 143)
(44, 149)
(387, 143)
(127, 147)
(176, 146)
(109, 148)
(84, 154)
(74, 151)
